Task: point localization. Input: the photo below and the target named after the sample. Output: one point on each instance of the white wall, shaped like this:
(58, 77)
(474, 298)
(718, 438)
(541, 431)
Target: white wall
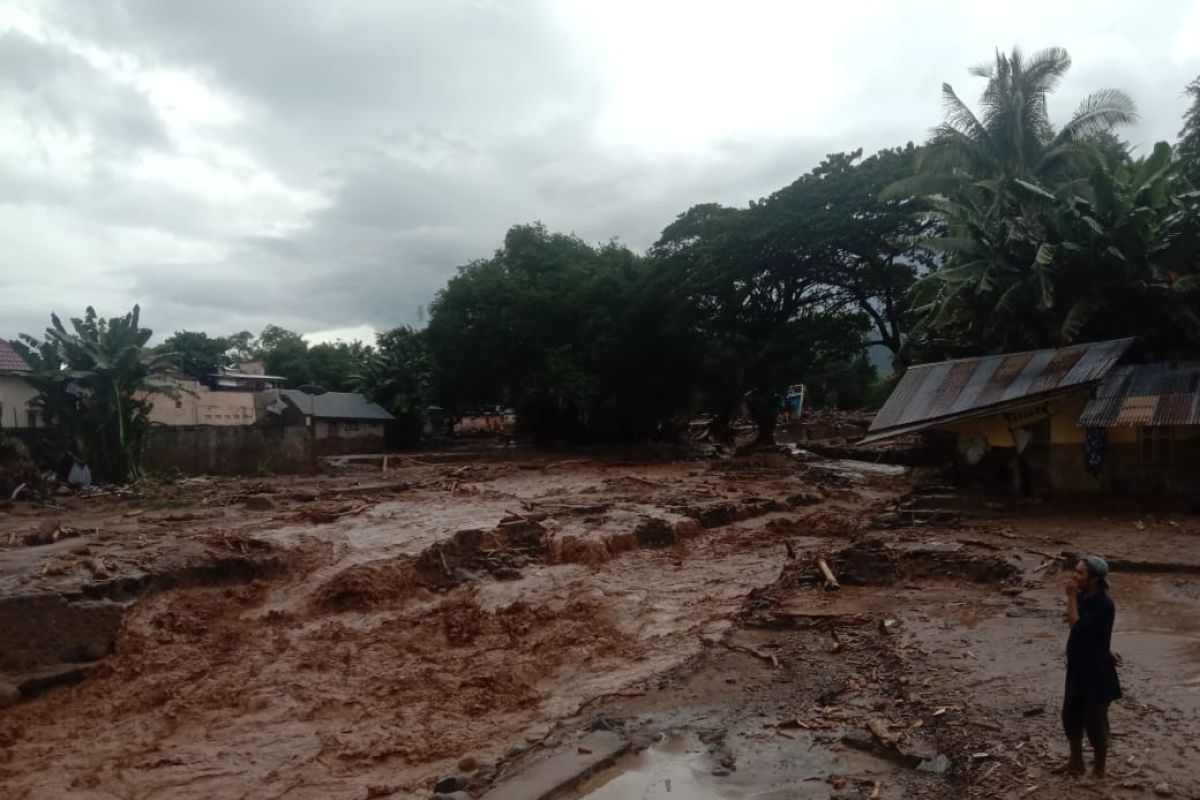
(15, 394)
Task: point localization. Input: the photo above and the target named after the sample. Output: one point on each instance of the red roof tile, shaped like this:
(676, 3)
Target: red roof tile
(10, 361)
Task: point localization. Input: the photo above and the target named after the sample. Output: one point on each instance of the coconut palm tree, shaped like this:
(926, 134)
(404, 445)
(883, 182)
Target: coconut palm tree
(1012, 137)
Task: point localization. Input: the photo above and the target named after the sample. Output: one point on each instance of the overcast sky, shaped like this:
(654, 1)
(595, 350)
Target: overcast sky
(325, 165)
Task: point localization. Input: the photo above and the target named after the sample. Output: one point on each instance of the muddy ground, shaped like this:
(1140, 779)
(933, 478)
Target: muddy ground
(360, 634)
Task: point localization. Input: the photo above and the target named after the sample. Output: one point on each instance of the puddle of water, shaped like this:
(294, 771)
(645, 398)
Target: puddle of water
(680, 769)
(666, 770)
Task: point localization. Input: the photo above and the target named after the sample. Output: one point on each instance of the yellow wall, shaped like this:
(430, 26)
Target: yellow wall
(196, 404)
(997, 429)
(1064, 422)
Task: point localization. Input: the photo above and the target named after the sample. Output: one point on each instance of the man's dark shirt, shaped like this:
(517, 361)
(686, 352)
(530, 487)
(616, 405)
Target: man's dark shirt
(1091, 673)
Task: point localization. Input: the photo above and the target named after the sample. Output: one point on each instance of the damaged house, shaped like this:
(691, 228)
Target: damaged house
(1072, 419)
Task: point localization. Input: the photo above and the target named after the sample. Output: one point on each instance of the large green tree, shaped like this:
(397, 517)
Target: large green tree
(397, 375)
(331, 365)
(836, 226)
(93, 379)
(760, 304)
(334, 364)
(195, 352)
(580, 340)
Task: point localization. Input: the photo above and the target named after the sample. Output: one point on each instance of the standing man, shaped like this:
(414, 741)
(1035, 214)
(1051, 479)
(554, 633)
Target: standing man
(1091, 666)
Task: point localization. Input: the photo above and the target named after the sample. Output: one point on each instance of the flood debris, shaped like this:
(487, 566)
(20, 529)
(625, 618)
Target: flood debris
(684, 608)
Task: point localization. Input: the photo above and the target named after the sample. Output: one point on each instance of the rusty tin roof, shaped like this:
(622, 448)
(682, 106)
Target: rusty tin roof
(931, 394)
(1147, 394)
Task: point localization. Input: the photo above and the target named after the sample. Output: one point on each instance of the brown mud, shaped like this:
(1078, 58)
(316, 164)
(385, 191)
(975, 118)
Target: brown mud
(358, 635)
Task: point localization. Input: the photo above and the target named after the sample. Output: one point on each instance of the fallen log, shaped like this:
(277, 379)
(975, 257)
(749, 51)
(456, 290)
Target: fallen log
(523, 518)
(819, 615)
(830, 580)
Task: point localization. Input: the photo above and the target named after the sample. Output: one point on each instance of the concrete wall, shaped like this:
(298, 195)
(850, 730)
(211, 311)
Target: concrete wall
(247, 450)
(1124, 470)
(196, 404)
(15, 395)
(229, 450)
(1062, 469)
(349, 429)
(339, 437)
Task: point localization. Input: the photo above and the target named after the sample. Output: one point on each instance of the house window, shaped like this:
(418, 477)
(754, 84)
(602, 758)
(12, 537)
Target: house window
(32, 418)
(179, 404)
(1155, 444)
(350, 427)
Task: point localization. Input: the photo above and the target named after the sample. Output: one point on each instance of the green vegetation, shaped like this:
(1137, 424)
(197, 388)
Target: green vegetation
(584, 342)
(1048, 236)
(396, 374)
(92, 380)
(283, 352)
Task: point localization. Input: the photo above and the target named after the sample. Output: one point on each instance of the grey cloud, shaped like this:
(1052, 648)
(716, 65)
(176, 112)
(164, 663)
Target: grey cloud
(375, 256)
(429, 128)
(57, 86)
(320, 78)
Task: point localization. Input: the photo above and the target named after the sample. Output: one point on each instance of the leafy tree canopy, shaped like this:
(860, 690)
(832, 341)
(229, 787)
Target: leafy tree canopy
(579, 339)
(196, 353)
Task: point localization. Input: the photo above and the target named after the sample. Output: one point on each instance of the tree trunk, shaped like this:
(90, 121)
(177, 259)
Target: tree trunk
(719, 429)
(766, 414)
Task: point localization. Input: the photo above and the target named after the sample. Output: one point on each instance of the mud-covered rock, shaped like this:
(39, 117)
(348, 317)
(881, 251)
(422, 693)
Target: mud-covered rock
(506, 574)
(655, 532)
(259, 502)
(804, 499)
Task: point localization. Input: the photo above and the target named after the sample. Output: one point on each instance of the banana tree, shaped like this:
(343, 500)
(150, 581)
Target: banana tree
(94, 379)
(1113, 254)
(1131, 237)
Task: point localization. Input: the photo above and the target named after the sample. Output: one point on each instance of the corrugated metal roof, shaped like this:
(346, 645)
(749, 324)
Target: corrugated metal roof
(1149, 394)
(10, 361)
(335, 405)
(932, 393)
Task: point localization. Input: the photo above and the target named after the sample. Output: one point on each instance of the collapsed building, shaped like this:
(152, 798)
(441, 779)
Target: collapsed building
(1071, 419)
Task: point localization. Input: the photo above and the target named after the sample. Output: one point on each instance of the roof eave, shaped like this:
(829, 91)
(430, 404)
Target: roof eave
(975, 413)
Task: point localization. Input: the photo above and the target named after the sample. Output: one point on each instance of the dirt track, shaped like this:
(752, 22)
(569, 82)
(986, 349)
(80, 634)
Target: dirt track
(367, 644)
